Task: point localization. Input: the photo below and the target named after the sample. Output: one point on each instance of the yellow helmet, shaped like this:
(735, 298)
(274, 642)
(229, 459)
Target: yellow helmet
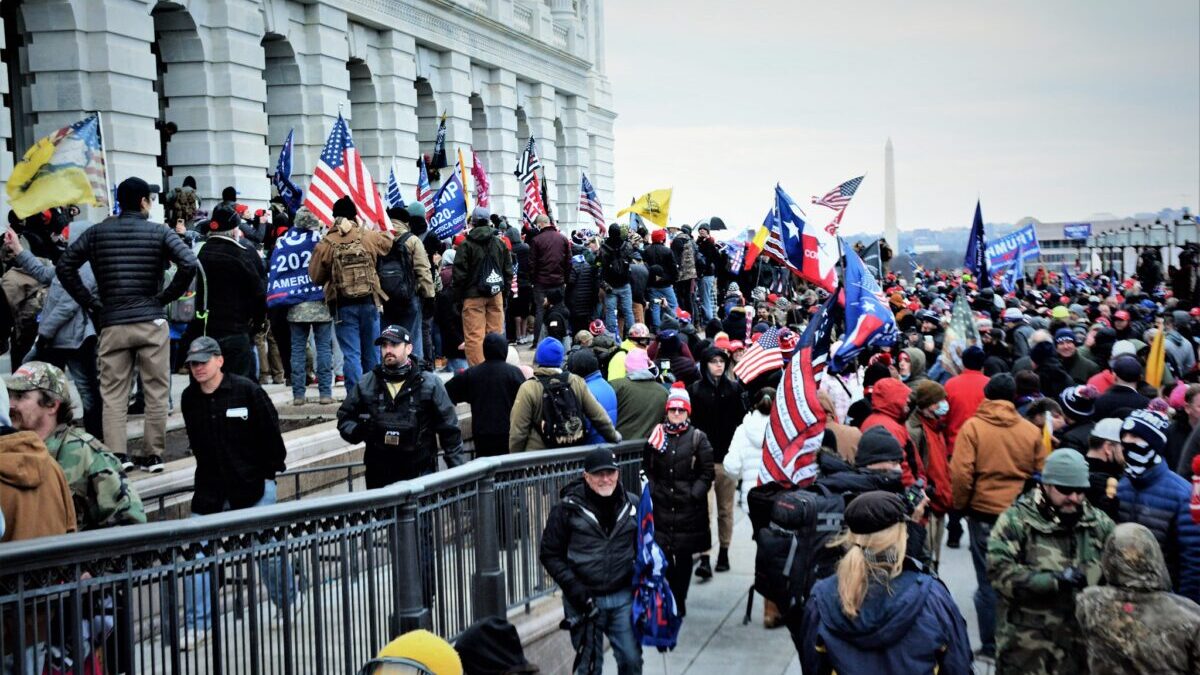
(417, 652)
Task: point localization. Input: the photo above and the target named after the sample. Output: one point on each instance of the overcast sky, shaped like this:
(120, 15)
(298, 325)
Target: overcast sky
(1058, 110)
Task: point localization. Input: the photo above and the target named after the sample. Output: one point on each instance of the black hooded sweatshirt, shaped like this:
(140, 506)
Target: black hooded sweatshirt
(489, 387)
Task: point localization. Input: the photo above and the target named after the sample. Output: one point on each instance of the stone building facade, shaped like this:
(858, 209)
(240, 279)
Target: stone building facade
(210, 88)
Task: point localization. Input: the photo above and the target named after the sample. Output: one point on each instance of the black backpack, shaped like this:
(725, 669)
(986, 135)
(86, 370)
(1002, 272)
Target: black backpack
(491, 280)
(562, 416)
(793, 528)
(618, 264)
(397, 278)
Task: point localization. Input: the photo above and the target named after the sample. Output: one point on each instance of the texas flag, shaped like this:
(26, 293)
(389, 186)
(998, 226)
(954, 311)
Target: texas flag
(869, 321)
(812, 251)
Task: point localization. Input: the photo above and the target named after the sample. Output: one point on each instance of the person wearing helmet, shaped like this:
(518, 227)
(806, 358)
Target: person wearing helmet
(417, 652)
(1043, 550)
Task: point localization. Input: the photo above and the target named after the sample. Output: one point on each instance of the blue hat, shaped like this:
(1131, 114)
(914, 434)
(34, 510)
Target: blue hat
(549, 353)
(1065, 335)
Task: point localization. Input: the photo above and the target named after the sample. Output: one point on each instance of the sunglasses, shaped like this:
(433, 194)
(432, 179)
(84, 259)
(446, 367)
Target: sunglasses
(1069, 491)
(682, 410)
(394, 665)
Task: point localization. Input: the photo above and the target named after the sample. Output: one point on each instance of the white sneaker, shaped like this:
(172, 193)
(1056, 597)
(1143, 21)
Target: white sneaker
(190, 639)
(278, 616)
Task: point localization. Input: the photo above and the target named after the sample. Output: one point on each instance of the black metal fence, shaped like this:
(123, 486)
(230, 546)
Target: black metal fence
(313, 586)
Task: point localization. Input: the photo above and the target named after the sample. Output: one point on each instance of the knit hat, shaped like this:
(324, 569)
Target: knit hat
(877, 445)
(223, 219)
(431, 651)
(1151, 427)
(973, 358)
(1041, 352)
(927, 393)
(549, 353)
(637, 359)
(658, 236)
(1060, 312)
(1108, 428)
(1122, 348)
(874, 511)
(582, 362)
(1066, 468)
(874, 373)
(1013, 314)
(492, 646)
(1079, 402)
(678, 397)
(1127, 368)
(1002, 387)
(345, 208)
(415, 208)
(1065, 335)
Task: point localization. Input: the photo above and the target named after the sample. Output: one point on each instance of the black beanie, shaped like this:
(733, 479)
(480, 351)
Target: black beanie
(973, 358)
(877, 445)
(397, 213)
(223, 219)
(1002, 387)
(582, 362)
(874, 373)
(345, 208)
(874, 511)
(229, 194)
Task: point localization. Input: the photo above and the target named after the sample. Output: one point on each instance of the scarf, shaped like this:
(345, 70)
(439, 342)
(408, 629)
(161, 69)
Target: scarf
(658, 437)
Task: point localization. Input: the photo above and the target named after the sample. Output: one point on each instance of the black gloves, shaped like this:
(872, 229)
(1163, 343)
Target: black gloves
(1071, 579)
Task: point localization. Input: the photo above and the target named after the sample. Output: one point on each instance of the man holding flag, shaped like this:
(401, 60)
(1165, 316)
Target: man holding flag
(588, 547)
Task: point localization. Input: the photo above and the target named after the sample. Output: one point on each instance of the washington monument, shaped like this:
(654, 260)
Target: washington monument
(890, 233)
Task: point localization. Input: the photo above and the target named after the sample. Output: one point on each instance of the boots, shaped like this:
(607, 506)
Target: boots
(704, 569)
(723, 560)
(771, 616)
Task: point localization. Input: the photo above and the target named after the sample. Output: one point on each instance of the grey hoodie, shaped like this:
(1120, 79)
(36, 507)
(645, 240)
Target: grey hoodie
(63, 324)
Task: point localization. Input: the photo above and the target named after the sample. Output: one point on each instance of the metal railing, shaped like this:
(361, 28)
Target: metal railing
(313, 586)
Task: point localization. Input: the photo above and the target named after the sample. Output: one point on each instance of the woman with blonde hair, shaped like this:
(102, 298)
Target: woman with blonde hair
(875, 615)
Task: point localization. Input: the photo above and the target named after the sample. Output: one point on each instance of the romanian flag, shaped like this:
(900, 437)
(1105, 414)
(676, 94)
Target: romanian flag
(653, 206)
(1156, 362)
(66, 167)
(755, 246)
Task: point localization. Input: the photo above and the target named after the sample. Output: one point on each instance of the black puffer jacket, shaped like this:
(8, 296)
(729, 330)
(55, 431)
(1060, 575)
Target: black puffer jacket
(615, 248)
(584, 560)
(129, 255)
(583, 290)
(679, 478)
(718, 405)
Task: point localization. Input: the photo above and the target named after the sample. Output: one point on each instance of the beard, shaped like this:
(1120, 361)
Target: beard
(17, 420)
(391, 360)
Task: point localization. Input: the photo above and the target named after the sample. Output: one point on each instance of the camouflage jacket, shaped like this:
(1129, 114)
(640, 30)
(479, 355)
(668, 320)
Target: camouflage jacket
(1135, 624)
(1036, 630)
(102, 495)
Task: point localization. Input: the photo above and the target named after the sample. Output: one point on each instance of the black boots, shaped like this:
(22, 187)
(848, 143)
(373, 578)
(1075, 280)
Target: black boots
(704, 569)
(723, 560)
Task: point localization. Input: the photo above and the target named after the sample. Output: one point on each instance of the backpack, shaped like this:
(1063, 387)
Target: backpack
(562, 416)
(397, 277)
(183, 308)
(618, 264)
(490, 281)
(793, 528)
(354, 273)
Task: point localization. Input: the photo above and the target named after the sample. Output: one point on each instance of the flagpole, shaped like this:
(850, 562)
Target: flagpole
(462, 173)
(104, 154)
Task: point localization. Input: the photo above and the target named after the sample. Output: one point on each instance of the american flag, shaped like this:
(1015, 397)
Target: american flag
(773, 246)
(761, 357)
(533, 206)
(735, 251)
(589, 204)
(797, 423)
(340, 172)
(395, 199)
(839, 197)
(424, 192)
(528, 162)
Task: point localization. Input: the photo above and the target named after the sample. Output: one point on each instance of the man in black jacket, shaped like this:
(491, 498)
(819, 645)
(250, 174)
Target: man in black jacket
(616, 259)
(663, 274)
(482, 279)
(491, 388)
(234, 293)
(588, 547)
(708, 261)
(128, 254)
(233, 431)
(397, 409)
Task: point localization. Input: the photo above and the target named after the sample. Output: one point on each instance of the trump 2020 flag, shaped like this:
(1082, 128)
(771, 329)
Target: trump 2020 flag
(394, 198)
(976, 258)
(656, 620)
(811, 251)
(450, 208)
(66, 167)
(291, 193)
(869, 322)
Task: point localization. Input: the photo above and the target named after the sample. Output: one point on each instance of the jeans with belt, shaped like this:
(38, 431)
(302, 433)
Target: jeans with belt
(615, 619)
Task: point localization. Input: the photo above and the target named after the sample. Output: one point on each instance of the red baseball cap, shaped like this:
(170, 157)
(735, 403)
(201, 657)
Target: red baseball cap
(1121, 315)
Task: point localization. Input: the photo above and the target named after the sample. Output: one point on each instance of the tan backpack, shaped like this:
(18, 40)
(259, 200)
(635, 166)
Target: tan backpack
(354, 273)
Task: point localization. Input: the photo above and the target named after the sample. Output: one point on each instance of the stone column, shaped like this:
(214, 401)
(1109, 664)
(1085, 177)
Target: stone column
(500, 102)
(574, 158)
(453, 92)
(540, 113)
(6, 129)
(398, 110)
(321, 53)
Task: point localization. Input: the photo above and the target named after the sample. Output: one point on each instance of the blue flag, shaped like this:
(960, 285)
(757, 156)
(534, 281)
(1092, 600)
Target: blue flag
(291, 193)
(449, 208)
(1069, 282)
(976, 258)
(656, 620)
(288, 282)
(869, 322)
(394, 199)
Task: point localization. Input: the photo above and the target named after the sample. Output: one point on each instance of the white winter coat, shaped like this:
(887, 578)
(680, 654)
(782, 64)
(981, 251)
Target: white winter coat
(745, 449)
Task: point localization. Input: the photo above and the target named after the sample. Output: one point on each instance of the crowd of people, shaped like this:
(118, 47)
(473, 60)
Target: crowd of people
(1068, 467)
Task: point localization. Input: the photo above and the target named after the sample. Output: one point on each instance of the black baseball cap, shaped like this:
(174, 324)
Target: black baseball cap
(202, 350)
(132, 190)
(600, 459)
(397, 335)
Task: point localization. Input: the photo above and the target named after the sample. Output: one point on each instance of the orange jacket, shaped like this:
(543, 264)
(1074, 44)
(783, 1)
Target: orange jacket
(996, 451)
(34, 495)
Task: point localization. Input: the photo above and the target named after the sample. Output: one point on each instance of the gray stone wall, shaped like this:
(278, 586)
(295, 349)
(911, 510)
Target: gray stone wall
(231, 77)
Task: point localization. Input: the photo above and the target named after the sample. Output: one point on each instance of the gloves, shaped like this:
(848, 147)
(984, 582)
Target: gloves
(589, 610)
(1071, 579)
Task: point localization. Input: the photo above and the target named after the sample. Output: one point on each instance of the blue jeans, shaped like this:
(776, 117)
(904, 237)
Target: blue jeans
(652, 295)
(409, 316)
(985, 596)
(281, 587)
(707, 309)
(322, 333)
(357, 327)
(618, 297)
(614, 620)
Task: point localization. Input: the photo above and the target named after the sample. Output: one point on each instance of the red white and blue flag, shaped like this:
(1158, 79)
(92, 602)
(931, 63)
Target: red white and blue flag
(839, 197)
(656, 619)
(869, 321)
(797, 424)
(812, 252)
(589, 204)
(340, 172)
(424, 192)
(761, 357)
(533, 205)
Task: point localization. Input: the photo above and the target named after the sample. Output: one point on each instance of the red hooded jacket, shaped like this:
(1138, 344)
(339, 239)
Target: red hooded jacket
(889, 401)
(964, 393)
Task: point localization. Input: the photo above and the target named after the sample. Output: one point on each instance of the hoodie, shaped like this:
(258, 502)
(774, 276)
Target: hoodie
(1134, 624)
(34, 495)
(908, 625)
(489, 387)
(995, 452)
(481, 242)
(889, 405)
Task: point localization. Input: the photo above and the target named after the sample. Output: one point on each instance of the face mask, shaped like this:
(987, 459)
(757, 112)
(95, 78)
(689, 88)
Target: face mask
(941, 408)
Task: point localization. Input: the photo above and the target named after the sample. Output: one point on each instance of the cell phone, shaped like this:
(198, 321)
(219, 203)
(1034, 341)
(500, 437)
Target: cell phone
(929, 342)
(664, 365)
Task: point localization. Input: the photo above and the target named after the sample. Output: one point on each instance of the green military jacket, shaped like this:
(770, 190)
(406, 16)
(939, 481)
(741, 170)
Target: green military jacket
(103, 497)
(1036, 630)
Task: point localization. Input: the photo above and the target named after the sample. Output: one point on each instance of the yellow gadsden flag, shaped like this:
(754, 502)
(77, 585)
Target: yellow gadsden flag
(653, 206)
(1156, 362)
(66, 167)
